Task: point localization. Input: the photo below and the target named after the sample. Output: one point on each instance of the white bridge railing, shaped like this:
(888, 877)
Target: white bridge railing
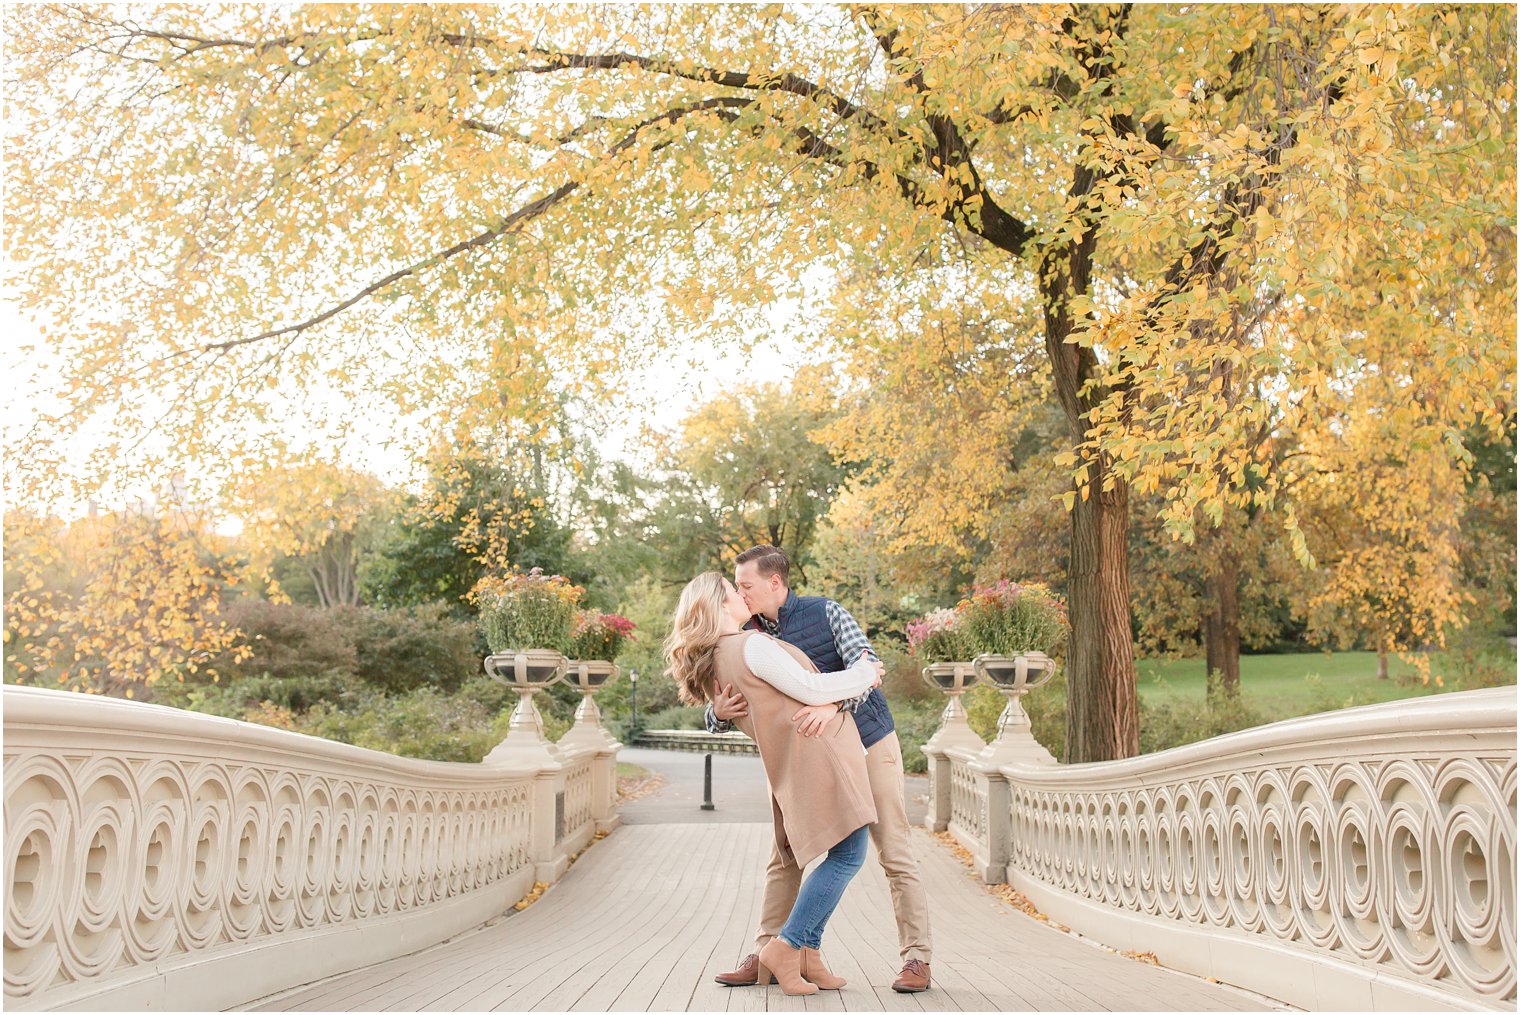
(1361, 859)
(156, 858)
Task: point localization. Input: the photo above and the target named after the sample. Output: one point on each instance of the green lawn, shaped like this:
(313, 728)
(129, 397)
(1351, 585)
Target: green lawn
(1300, 683)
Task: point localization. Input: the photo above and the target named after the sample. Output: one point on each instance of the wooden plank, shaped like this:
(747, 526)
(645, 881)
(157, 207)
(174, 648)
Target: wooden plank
(647, 955)
(484, 956)
(728, 915)
(737, 938)
(489, 957)
(551, 928)
(589, 934)
(647, 917)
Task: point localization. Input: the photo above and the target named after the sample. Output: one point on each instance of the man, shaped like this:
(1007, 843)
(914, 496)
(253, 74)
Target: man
(831, 638)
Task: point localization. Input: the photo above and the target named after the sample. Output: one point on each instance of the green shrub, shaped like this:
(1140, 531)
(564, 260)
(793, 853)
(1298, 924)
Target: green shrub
(916, 721)
(424, 723)
(409, 647)
(1046, 707)
(904, 679)
(289, 640)
(678, 717)
(232, 698)
(1175, 723)
(1471, 662)
(492, 695)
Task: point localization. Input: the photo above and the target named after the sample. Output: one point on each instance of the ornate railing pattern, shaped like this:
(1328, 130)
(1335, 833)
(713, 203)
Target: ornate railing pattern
(968, 798)
(160, 858)
(1379, 841)
(579, 813)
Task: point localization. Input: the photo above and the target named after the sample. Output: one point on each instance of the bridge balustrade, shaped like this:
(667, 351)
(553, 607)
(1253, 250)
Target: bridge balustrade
(1360, 859)
(157, 858)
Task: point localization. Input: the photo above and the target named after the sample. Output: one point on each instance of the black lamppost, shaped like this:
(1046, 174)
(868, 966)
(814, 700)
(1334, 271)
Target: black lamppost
(633, 696)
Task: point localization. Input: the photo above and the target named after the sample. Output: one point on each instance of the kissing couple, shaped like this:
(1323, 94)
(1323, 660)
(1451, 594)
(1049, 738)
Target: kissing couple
(798, 676)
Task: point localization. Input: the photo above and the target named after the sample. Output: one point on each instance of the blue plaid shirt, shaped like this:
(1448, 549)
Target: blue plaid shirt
(849, 639)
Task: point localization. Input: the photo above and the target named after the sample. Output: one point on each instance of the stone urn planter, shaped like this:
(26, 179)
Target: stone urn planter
(952, 679)
(533, 668)
(526, 671)
(1014, 676)
(589, 676)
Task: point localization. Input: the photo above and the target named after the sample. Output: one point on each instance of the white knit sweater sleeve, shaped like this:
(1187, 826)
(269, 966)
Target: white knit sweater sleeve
(773, 664)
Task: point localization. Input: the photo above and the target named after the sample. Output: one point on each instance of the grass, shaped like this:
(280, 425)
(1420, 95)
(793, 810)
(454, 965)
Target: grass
(627, 771)
(1299, 683)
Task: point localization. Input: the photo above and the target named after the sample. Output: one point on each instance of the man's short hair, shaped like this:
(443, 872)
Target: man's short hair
(768, 560)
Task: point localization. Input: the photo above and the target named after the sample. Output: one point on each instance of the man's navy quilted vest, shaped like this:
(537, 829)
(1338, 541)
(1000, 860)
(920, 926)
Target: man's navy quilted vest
(804, 622)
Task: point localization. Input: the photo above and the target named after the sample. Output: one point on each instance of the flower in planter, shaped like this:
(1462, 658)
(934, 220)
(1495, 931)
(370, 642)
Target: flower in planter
(1009, 618)
(600, 635)
(939, 637)
(531, 610)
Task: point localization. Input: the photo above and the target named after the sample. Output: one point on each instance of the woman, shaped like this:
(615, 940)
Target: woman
(820, 796)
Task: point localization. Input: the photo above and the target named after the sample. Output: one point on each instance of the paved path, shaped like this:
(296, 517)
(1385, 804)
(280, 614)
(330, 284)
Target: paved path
(647, 916)
(739, 792)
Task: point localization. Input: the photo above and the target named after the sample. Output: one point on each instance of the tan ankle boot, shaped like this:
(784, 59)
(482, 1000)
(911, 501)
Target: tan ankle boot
(784, 962)
(814, 971)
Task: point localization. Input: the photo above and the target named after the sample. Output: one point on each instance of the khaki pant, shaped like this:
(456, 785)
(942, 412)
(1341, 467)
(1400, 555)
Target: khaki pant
(890, 833)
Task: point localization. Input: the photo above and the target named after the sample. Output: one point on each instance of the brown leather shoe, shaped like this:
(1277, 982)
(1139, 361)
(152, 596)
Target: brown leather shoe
(913, 978)
(747, 975)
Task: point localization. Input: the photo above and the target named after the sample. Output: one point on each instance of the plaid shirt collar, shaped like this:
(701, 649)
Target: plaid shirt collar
(760, 622)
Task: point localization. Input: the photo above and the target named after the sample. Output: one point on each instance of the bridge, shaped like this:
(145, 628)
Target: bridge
(155, 858)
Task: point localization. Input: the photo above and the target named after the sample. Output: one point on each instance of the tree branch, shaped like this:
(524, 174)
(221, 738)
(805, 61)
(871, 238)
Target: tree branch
(510, 223)
(951, 149)
(995, 224)
(766, 81)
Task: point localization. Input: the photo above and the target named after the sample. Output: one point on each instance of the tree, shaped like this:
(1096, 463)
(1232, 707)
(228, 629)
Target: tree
(314, 510)
(1235, 586)
(745, 469)
(114, 603)
(479, 511)
(1380, 519)
(1488, 532)
(854, 563)
(1145, 174)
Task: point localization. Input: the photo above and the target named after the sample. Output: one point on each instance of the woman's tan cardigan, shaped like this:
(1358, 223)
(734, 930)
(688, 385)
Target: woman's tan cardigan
(820, 792)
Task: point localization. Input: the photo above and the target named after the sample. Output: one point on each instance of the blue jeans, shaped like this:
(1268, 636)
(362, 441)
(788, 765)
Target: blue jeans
(823, 889)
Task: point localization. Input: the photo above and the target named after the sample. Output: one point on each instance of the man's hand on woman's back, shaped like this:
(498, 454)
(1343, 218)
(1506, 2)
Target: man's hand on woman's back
(729, 704)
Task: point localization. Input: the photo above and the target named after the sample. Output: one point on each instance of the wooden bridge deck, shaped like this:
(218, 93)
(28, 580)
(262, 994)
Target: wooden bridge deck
(646, 917)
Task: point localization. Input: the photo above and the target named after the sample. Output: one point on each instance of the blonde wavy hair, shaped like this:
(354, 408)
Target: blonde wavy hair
(694, 637)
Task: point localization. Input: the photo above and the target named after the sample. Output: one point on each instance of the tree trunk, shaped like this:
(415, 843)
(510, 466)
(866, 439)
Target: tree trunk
(1221, 630)
(1102, 708)
(334, 571)
(1382, 660)
(1102, 711)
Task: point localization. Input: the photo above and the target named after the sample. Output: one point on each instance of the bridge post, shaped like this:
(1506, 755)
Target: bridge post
(604, 788)
(994, 847)
(548, 825)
